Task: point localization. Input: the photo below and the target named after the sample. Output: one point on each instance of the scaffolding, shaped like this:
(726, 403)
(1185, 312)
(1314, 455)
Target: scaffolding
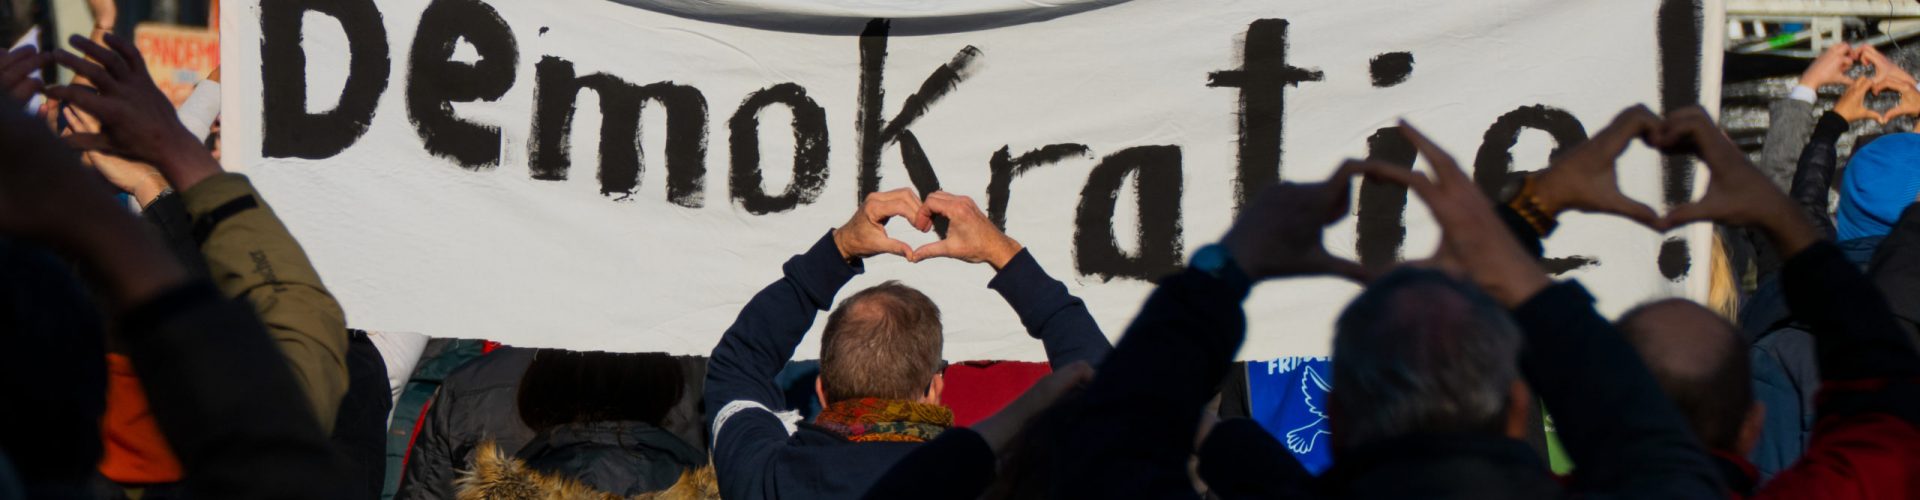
(1802, 28)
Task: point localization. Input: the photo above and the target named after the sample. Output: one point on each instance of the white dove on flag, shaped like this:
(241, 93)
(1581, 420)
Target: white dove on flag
(1303, 439)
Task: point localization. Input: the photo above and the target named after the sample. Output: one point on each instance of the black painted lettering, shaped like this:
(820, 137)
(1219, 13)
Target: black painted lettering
(877, 133)
(1263, 79)
(287, 129)
(1381, 220)
(556, 89)
(809, 150)
(435, 82)
(1157, 181)
(1003, 167)
(1493, 164)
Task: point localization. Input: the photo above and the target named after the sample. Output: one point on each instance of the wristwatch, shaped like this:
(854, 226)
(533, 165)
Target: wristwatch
(1520, 196)
(1216, 261)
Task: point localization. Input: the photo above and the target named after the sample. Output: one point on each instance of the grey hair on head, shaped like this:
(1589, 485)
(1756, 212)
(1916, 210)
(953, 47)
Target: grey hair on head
(1420, 352)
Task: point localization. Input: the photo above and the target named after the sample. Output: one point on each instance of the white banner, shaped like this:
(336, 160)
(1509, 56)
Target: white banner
(591, 174)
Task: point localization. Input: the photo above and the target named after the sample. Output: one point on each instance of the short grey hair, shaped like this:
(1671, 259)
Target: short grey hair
(1420, 352)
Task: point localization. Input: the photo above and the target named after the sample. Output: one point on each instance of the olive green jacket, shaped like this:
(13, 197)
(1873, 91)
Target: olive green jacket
(251, 255)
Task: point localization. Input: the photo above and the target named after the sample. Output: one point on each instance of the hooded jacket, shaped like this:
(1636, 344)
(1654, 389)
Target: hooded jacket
(496, 476)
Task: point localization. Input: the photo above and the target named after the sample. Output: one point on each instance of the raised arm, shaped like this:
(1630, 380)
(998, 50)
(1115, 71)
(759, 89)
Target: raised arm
(1864, 442)
(1144, 407)
(1059, 319)
(227, 405)
(741, 397)
(1628, 439)
(249, 252)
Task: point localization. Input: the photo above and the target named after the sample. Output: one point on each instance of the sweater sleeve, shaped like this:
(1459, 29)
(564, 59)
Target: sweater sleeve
(1059, 319)
(1627, 438)
(1789, 124)
(226, 400)
(957, 465)
(1152, 388)
(251, 255)
(740, 393)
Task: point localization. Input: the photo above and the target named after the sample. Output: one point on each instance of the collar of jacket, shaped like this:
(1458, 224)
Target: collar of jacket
(1741, 476)
(1463, 465)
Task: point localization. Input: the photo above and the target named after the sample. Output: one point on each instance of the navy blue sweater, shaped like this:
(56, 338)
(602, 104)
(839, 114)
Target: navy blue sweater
(754, 456)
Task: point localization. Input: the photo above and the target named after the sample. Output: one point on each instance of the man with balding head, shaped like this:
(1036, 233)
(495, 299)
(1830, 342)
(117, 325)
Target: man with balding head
(1701, 363)
(880, 358)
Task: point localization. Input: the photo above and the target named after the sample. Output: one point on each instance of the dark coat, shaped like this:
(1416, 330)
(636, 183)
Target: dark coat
(754, 452)
(621, 458)
(476, 403)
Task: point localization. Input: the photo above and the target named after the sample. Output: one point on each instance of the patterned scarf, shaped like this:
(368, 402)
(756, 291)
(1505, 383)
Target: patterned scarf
(867, 420)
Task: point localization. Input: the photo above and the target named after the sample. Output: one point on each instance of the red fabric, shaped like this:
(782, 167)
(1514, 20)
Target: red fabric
(487, 346)
(135, 452)
(977, 389)
(1868, 456)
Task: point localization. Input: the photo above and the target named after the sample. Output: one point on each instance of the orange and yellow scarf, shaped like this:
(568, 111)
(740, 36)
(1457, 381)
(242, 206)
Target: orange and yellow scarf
(868, 420)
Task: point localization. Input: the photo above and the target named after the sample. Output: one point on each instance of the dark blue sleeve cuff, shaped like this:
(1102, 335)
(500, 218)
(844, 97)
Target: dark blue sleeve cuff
(821, 272)
(1034, 295)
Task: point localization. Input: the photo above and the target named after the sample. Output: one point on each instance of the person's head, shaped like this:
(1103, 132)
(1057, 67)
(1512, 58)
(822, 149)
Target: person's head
(566, 387)
(883, 342)
(1701, 363)
(1419, 352)
(1880, 180)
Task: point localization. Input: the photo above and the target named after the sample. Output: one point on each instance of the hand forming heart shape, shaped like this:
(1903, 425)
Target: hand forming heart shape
(971, 236)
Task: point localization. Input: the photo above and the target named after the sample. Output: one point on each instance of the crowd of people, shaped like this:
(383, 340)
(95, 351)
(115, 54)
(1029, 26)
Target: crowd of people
(191, 350)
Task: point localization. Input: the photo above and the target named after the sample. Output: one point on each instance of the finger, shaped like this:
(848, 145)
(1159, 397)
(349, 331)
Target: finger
(128, 52)
(88, 142)
(1633, 122)
(114, 64)
(1636, 211)
(1687, 214)
(24, 90)
(1396, 174)
(93, 72)
(880, 210)
(1347, 269)
(951, 206)
(933, 250)
(105, 110)
(1444, 168)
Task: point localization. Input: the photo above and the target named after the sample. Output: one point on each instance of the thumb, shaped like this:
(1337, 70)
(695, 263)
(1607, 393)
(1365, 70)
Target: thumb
(931, 250)
(1638, 212)
(1349, 269)
(1686, 214)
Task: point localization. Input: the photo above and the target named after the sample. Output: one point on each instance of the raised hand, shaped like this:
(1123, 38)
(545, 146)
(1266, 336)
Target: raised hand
(971, 237)
(1883, 66)
(1473, 242)
(1852, 105)
(865, 235)
(1584, 178)
(1909, 99)
(1830, 68)
(1279, 234)
(132, 177)
(16, 73)
(137, 120)
(1737, 193)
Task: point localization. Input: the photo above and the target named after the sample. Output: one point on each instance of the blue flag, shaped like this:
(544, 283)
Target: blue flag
(1288, 397)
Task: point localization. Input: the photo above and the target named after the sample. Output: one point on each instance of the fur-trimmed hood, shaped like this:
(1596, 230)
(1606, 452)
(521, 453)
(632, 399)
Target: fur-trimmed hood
(497, 476)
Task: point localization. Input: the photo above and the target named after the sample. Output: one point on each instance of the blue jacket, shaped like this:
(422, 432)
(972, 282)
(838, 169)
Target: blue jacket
(754, 453)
